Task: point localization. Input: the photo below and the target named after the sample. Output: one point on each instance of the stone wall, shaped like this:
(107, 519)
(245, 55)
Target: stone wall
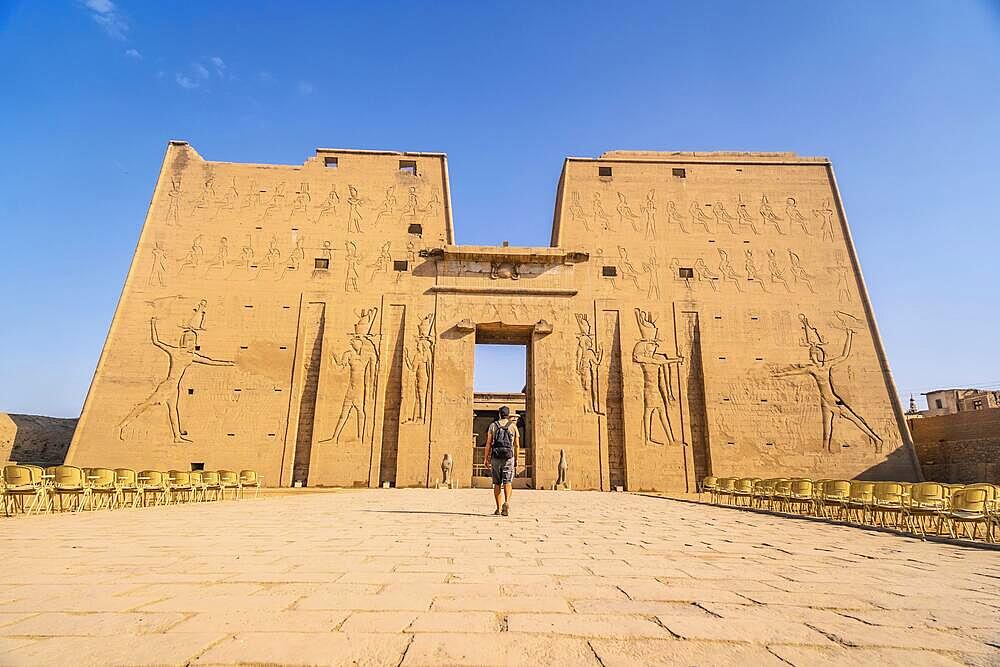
(35, 439)
(959, 448)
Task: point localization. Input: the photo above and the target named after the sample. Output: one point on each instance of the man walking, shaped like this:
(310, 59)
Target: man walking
(502, 441)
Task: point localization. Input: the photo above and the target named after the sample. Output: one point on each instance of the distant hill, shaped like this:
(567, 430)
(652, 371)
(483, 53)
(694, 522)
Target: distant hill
(35, 439)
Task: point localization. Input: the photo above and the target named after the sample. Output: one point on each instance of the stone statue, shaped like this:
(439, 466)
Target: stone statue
(446, 466)
(563, 467)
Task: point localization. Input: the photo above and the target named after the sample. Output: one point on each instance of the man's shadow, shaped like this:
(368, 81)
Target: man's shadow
(427, 512)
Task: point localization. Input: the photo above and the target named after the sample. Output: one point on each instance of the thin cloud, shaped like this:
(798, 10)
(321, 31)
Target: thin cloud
(219, 64)
(133, 54)
(306, 88)
(185, 82)
(105, 14)
(266, 77)
(200, 70)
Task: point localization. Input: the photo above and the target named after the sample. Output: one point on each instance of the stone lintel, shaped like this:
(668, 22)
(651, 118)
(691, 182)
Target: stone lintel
(508, 254)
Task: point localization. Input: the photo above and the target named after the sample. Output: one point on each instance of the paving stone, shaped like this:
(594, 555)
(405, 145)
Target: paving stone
(498, 649)
(285, 648)
(501, 604)
(626, 653)
(853, 633)
(754, 631)
(585, 625)
(261, 620)
(812, 656)
(378, 621)
(98, 623)
(466, 621)
(153, 649)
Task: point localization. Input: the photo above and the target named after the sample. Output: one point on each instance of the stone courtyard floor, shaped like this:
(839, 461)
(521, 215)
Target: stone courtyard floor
(429, 577)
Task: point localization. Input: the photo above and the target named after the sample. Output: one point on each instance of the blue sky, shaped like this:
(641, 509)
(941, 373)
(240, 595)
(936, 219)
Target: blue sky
(904, 97)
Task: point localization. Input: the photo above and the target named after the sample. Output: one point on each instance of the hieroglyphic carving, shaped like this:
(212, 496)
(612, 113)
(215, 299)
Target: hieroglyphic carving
(825, 214)
(207, 196)
(326, 253)
(511, 270)
(159, 269)
(221, 258)
(726, 271)
(589, 356)
(698, 216)
(795, 216)
(753, 275)
(271, 259)
(769, 216)
(351, 259)
(230, 198)
(625, 212)
(702, 273)
(252, 198)
(354, 217)
(329, 205)
(820, 369)
(777, 273)
(842, 273)
(295, 257)
(277, 201)
(420, 363)
(361, 361)
(798, 271)
(168, 390)
(657, 384)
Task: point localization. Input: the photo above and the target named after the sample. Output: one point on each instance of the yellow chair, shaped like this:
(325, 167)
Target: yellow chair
(229, 481)
(22, 483)
(743, 490)
(154, 483)
(708, 485)
(127, 482)
(968, 506)
(70, 481)
(860, 500)
(198, 489)
(724, 490)
(817, 495)
(762, 489)
(250, 479)
(103, 488)
(992, 505)
(887, 498)
(180, 485)
(213, 484)
(835, 494)
(926, 499)
(801, 494)
(782, 495)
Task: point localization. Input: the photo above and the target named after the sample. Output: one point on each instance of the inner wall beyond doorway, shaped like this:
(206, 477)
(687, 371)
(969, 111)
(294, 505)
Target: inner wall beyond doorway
(500, 377)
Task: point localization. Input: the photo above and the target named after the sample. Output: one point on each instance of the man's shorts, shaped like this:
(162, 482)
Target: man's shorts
(503, 470)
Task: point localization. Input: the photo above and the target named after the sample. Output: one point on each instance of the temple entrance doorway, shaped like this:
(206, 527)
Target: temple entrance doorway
(502, 376)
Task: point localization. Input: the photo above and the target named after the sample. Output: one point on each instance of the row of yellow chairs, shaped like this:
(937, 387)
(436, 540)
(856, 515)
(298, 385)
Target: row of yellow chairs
(921, 508)
(28, 489)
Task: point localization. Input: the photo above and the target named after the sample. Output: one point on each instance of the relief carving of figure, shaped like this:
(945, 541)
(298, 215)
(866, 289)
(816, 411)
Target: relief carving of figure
(388, 204)
(703, 273)
(825, 214)
(383, 261)
(625, 212)
(649, 212)
(329, 205)
(577, 213)
(420, 364)
(207, 197)
(300, 204)
(194, 256)
(588, 363)
(295, 257)
(231, 197)
(842, 274)
(221, 258)
(768, 214)
(744, 216)
(820, 369)
(727, 272)
(446, 466)
(699, 217)
(361, 361)
(777, 273)
(652, 269)
(277, 201)
(173, 201)
(562, 471)
(252, 198)
(159, 269)
(353, 259)
(354, 217)
(657, 386)
(271, 258)
(798, 272)
(168, 390)
(628, 270)
(722, 217)
(795, 216)
(505, 270)
(600, 215)
(674, 217)
(753, 275)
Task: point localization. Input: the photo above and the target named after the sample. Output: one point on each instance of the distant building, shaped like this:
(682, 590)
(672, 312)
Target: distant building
(951, 401)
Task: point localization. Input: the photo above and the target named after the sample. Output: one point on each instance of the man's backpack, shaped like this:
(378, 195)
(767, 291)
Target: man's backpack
(503, 442)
